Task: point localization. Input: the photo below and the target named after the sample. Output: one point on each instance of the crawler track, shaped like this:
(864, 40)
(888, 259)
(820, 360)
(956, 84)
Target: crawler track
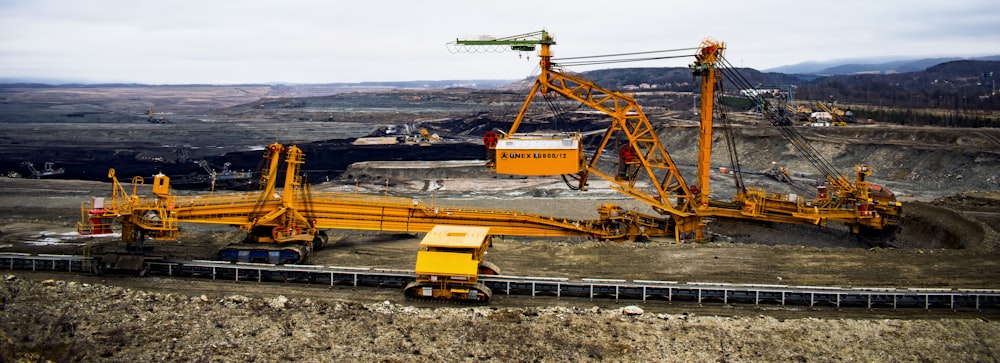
(412, 292)
(643, 290)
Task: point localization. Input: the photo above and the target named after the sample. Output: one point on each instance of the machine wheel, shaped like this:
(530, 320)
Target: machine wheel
(320, 240)
(413, 290)
(484, 294)
(488, 268)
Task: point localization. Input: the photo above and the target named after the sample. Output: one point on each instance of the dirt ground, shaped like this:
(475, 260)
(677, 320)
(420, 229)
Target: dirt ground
(84, 321)
(949, 242)
(946, 178)
(93, 318)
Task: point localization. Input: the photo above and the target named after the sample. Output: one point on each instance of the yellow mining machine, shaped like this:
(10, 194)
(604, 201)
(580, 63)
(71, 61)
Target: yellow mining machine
(278, 231)
(449, 263)
(645, 171)
(840, 117)
(284, 225)
(799, 113)
(151, 117)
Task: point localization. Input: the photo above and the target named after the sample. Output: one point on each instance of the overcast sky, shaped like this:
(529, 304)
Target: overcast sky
(249, 41)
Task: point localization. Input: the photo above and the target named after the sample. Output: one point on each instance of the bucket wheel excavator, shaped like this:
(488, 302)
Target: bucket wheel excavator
(285, 225)
(641, 167)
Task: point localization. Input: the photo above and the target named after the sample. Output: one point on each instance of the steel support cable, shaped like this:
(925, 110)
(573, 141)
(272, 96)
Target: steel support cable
(509, 108)
(613, 61)
(797, 140)
(553, 102)
(625, 54)
(782, 124)
(556, 109)
(734, 158)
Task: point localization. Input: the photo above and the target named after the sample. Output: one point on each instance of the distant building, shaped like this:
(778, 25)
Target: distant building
(821, 116)
(762, 92)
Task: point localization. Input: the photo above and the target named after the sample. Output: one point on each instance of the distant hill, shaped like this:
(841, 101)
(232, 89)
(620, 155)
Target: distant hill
(888, 67)
(868, 65)
(674, 78)
(969, 86)
(966, 80)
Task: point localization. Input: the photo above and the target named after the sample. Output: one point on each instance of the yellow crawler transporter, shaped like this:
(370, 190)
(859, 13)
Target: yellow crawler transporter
(449, 263)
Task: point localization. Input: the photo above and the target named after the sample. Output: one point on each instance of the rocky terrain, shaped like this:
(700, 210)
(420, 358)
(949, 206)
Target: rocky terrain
(62, 321)
(945, 177)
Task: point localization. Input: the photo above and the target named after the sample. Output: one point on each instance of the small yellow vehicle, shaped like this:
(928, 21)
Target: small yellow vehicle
(449, 263)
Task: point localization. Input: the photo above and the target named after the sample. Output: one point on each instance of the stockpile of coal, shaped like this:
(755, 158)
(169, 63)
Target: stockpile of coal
(325, 160)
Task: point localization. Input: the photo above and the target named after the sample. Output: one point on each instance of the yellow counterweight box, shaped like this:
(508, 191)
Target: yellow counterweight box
(527, 154)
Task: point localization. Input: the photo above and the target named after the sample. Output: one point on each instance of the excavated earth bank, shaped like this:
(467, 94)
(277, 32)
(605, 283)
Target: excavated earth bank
(946, 177)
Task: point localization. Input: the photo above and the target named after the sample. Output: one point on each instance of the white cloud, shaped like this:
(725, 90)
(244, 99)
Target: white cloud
(321, 41)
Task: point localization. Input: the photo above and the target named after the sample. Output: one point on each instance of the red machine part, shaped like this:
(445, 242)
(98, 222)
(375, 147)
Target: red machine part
(627, 154)
(490, 139)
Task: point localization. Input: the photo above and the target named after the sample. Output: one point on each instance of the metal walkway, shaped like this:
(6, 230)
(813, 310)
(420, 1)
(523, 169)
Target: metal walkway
(640, 290)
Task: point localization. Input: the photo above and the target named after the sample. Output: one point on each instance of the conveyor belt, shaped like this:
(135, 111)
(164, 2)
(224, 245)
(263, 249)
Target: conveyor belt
(593, 288)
